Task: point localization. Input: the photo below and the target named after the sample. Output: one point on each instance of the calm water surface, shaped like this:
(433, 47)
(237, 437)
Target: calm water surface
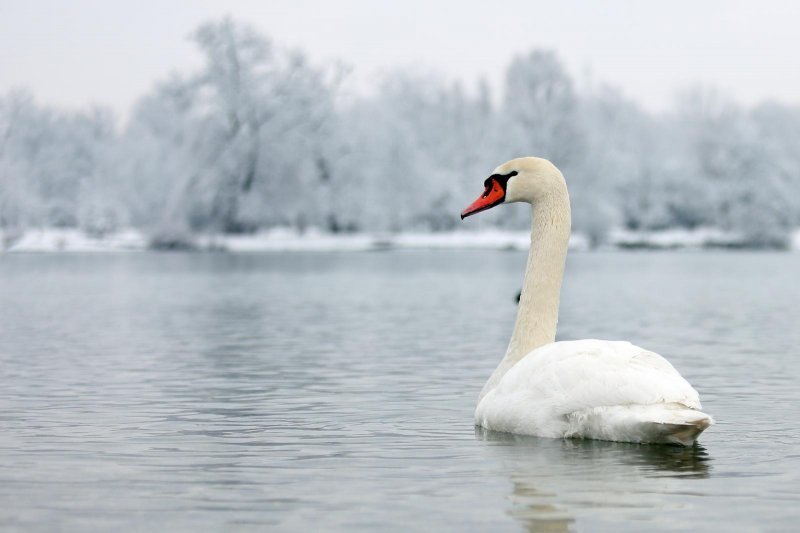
(335, 392)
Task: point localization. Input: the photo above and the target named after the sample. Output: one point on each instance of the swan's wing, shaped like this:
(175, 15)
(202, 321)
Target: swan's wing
(565, 377)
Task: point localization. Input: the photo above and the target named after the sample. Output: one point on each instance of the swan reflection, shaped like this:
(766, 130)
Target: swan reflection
(553, 480)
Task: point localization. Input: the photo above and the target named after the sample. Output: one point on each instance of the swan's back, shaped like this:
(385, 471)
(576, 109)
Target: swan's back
(610, 390)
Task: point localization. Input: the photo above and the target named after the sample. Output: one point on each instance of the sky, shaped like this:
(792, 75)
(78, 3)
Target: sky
(110, 52)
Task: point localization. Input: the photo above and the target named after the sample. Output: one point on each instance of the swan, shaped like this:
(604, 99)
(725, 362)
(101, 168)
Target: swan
(591, 389)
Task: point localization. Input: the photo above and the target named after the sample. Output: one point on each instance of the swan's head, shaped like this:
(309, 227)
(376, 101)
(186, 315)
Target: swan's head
(526, 179)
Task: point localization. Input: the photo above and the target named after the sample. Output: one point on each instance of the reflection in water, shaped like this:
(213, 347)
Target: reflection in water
(550, 477)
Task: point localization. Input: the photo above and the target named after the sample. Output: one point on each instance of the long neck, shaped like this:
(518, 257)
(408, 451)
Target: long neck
(537, 314)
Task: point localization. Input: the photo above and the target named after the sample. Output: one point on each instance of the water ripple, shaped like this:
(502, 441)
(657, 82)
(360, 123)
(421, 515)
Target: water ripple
(335, 391)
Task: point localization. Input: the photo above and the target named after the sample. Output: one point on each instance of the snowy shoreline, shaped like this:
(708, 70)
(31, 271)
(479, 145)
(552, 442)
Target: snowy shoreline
(287, 240)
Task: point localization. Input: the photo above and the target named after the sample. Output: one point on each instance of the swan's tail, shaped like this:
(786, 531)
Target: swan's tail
(669, 423)
(685, 434)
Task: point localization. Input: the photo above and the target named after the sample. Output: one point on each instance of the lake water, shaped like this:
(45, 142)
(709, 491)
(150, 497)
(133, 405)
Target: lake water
(325, 391)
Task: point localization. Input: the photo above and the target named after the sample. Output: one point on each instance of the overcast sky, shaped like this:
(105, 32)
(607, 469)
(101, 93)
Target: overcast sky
(76, 52)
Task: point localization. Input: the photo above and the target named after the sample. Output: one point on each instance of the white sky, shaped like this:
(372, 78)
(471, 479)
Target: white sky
(76, 52)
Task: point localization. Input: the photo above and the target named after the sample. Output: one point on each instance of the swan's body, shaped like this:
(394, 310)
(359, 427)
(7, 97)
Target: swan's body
(590, 388)
(594, 389)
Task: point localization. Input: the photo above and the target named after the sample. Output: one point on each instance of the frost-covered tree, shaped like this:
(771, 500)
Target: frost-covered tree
(540, 116)
(738, 176)
(258, 137)
(160, 159)
(615, 165)
(541, 108)
(415, 151)
(49, 166)
(21, 129)
(268, 107)
(239, 142)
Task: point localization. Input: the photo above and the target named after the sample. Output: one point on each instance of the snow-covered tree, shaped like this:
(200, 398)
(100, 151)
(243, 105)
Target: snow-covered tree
(258, 137)
(48, 165)
(237, 143)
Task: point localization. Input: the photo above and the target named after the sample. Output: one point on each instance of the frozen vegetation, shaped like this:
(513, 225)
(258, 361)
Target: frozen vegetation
(260, 139)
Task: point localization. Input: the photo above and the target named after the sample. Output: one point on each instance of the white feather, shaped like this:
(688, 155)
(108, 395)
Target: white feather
(609, 390)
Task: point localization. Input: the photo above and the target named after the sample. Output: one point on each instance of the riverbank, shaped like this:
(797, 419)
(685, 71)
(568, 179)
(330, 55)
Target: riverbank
(284, 240)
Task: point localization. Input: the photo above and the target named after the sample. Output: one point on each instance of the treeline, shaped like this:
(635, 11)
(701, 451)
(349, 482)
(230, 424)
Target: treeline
(260, 137)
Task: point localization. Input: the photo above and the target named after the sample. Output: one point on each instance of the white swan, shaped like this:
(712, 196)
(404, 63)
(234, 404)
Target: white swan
(586, 389)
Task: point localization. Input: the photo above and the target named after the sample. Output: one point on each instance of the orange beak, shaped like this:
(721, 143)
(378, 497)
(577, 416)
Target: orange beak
(492, 196)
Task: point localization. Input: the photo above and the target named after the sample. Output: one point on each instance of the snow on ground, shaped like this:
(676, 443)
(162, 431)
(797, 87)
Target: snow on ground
(511, 240)
(794, 241)
(673, 238)
(72, 240)
(281, 239)
(288, 240)
(275, 240)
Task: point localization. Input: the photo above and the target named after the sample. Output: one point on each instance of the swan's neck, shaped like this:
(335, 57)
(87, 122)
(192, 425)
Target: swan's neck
(537, 314)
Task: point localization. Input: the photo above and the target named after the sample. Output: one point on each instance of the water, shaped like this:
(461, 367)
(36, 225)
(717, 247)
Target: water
(336, 391)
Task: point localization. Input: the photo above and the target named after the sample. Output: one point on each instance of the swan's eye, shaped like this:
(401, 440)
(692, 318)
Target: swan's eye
(488, 185)
(500, 179)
